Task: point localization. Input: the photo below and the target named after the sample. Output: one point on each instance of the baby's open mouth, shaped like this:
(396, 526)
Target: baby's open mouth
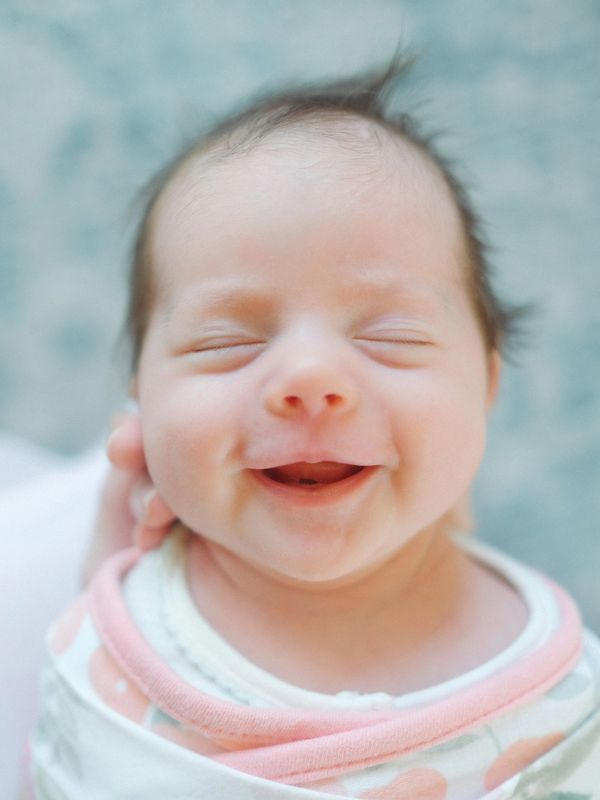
(302, 473)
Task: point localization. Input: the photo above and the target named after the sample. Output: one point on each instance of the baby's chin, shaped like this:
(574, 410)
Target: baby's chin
(316, 570)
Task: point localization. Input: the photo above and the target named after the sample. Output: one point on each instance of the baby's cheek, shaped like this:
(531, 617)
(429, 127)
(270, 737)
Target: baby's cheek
(172, 432)
(440, 440)
(456, 425)
(187, 442)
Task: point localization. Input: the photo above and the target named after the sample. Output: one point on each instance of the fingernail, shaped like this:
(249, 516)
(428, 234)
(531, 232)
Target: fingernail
(139, 500)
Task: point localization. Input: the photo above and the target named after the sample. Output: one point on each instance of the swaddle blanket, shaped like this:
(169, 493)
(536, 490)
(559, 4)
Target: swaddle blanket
(119, 721)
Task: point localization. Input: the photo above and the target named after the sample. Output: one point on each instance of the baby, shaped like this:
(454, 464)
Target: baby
(316, 351)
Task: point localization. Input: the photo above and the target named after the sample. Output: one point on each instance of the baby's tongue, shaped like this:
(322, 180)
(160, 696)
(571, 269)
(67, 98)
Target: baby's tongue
(303, 472)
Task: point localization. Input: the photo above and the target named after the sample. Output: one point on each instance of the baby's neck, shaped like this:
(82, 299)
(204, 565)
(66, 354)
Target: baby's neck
(422, 617)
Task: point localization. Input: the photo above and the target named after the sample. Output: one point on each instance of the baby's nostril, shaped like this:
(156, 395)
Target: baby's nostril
(333, 399)
(292, 400)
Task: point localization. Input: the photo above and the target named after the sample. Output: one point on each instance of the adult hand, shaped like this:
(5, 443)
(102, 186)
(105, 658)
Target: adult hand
(130, 510)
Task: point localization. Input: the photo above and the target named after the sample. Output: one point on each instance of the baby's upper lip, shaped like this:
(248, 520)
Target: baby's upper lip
(312, 457)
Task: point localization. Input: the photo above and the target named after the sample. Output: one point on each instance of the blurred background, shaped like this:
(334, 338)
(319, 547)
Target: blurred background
(94, 96)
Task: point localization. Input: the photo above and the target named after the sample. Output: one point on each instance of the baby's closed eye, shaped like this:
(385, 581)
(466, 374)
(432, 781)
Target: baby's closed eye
(222, 353)
(394, 344)
(224, 344)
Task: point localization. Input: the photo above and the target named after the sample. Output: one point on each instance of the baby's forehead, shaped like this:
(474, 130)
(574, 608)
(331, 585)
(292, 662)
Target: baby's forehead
(331, 149)
(221, 200)
(219, 204)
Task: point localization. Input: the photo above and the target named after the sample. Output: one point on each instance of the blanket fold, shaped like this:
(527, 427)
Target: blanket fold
(531, 726)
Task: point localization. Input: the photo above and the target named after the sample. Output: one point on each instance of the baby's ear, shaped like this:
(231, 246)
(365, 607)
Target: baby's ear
(494, 372)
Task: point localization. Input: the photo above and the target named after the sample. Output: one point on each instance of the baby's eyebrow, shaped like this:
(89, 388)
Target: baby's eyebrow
(246, 298)
(383, 287)
(233, 296)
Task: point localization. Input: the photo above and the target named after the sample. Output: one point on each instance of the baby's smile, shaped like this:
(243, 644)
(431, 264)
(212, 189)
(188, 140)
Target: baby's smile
(322, 483)
(304, 473)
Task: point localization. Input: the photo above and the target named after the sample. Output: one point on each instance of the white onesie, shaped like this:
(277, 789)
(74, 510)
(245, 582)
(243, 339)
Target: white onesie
(143, 699)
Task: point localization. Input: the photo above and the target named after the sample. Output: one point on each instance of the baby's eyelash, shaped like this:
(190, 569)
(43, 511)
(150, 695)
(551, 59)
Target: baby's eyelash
(209, 347)
(221, 355)
(387, 339)
(402, 349)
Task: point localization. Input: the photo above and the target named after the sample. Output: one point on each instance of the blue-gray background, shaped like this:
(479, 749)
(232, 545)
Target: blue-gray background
(95, 95)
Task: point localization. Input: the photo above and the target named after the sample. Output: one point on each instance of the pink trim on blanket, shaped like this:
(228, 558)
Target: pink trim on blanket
(298, 746)
(166, 689)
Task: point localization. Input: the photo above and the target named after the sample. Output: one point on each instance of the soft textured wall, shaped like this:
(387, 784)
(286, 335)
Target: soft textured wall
(94, 95)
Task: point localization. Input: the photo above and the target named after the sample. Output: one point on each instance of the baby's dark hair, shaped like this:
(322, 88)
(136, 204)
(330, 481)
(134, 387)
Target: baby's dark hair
(362, 97)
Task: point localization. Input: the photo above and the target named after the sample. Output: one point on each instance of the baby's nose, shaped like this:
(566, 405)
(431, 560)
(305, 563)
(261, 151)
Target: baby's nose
(310, 389)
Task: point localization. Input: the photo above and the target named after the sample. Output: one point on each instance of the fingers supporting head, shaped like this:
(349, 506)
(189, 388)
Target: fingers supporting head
(125, 448)
(147, 506)
(155, 520)
(125, 445)
(148, 538)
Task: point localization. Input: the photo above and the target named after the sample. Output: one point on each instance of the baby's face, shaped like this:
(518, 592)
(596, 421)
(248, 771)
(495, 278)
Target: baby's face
(313, 383)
